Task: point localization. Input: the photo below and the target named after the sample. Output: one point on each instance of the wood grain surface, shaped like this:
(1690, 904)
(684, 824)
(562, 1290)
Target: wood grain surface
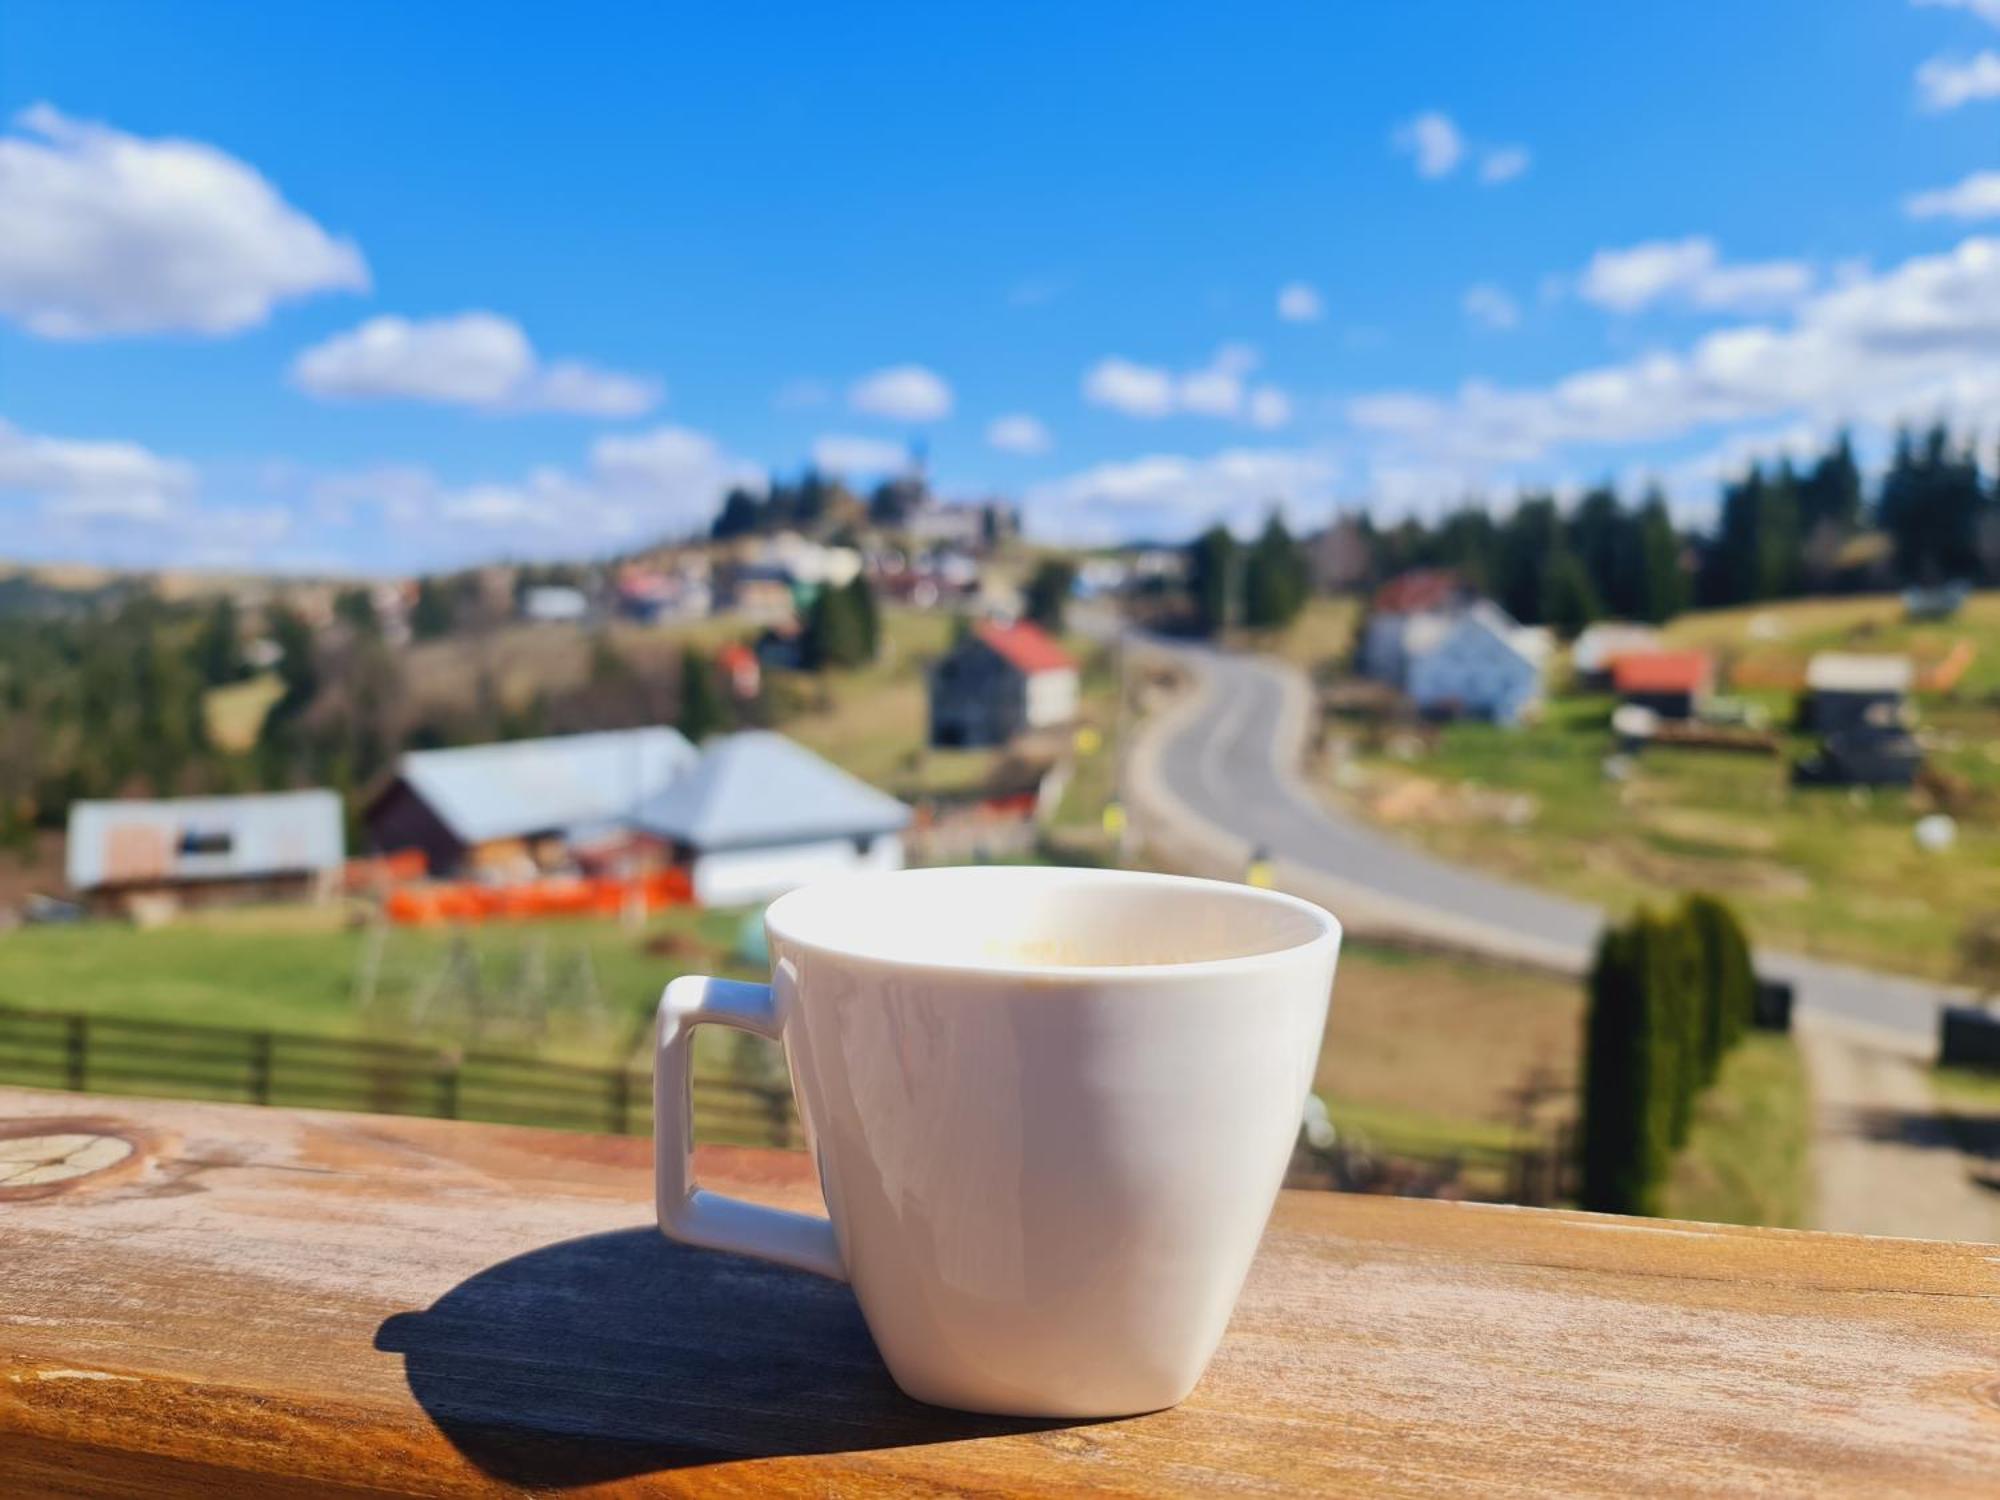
(274, 1302)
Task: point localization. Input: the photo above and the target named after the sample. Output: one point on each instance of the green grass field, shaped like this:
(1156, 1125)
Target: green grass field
(1830, 871)
(301, 970)
(1746, 1158)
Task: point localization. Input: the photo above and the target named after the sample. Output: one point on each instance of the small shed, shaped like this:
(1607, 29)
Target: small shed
(1000, 681)
(760, 814)
(1855, 691)
(206, 850)
(1594, 651)
(1673, 684)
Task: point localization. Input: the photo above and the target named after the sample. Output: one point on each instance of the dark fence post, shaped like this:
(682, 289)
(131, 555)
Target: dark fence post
(781, 1121)
(76, 1052)
(260, 1067)
(447, 1092)
(621, 1101)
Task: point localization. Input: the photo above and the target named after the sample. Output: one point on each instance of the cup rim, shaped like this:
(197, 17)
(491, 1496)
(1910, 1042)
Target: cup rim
(1328, 934)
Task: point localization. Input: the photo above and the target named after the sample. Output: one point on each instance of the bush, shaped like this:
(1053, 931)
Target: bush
(1670, 995)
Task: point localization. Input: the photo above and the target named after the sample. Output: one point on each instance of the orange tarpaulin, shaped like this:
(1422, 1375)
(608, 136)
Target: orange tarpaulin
(560, 897)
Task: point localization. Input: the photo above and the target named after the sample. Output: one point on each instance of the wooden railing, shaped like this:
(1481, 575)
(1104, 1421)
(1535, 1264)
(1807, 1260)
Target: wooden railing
(172, 1059)
(229, 1301)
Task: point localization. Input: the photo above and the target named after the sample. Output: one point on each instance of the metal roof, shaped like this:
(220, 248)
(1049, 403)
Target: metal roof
(203, 838)
(1853, 672)
(760, 788)
(520, 787)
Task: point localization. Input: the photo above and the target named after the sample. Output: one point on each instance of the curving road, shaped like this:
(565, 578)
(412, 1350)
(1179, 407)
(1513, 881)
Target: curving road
(1227, 761)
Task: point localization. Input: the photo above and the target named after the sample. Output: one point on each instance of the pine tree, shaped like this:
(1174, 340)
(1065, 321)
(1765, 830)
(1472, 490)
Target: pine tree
(1048, 592)
(1212, 579)
(703, 707)
(1569, 600)
(1663, 585)
(867, 616)
(836, 634)
(1728, 980)
(1274, 578)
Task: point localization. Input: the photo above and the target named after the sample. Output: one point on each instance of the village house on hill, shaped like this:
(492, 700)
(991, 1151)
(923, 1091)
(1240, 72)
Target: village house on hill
(760, 814)
(1000, 681)
(199, 851)
(1854, 690)
(1452, 653)
(487, 807)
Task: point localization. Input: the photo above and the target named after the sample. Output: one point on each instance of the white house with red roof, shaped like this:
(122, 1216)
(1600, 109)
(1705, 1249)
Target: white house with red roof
(999, 681)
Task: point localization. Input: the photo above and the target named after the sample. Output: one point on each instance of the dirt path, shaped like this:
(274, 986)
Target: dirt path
(1885, 1160)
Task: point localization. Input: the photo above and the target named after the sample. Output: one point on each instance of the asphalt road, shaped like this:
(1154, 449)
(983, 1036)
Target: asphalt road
(1223, 764)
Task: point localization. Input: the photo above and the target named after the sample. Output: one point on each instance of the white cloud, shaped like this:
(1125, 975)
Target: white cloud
(1220, 388)
(78, 479)
(1018, 432)
(1136, 390)
(1498, 164)
(903, 393)
(1944, 83)
(1691, 272)
(839, 454)
(117, 503)
(1267, 408)
(107, 233)
(1167, 496)
(1915, 341)
(1987, 10)
(1491, 307)
(1300, 302)
(1974, 197)
(477, 359)
(1434, 141)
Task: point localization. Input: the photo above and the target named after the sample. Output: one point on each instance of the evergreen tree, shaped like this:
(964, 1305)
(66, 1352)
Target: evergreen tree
(1624, 1140)
(1663, 586)
(1727, 981)
(1212, 579)
(219, 647)
(704, 709)
(431, 615)
(1275, 578)
(836, 634)
(1048, 592)
(867, 615)
(1830, 495)
(357, 608)
(1529, 539)
(1569, 600)
(1931, 506)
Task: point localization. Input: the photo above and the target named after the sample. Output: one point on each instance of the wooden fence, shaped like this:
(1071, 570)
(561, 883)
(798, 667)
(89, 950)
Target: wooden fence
(119, 1055)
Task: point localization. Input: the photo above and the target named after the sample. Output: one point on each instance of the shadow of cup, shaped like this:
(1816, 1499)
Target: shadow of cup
(617, 1354)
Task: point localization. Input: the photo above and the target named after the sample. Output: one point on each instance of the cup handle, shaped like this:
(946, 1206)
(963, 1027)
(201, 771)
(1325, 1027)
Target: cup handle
(688, 1213)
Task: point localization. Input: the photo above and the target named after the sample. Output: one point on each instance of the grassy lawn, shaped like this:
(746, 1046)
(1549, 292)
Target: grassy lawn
(1323, 634)
(235, 714)
(1746, 1157)
(1828, 871)
(1429, 1054)
(296, 969)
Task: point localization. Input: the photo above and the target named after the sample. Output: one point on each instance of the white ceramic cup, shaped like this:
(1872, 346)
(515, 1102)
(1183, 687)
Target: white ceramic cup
(1051, 1111)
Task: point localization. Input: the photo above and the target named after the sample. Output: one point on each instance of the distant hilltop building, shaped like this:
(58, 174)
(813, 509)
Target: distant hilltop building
(1000, 681)
(198, 851)
(1594, 651)
(1671, 684)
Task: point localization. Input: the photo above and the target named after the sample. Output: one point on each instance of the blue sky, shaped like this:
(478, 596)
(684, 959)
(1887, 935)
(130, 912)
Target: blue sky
(383, 287)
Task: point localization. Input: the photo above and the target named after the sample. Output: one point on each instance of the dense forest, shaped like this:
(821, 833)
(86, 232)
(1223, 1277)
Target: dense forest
(1781, 531)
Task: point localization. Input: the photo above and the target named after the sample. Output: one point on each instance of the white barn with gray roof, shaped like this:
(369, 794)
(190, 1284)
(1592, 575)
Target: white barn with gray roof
(200, 849)
(760, 814)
